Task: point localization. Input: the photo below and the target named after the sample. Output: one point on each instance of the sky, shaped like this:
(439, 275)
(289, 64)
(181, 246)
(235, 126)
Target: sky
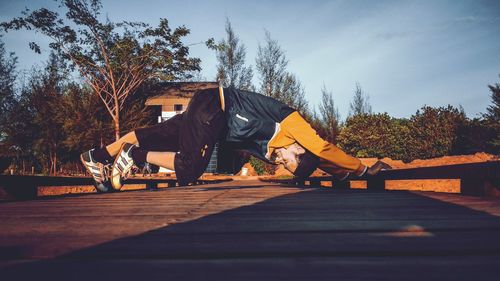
(404, 54)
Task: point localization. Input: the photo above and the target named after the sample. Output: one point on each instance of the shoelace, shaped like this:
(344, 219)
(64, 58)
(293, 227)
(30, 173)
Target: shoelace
(105, 172)
(131, 171)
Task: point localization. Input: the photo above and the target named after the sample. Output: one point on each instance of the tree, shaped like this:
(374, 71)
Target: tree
(317, 123)
(434, 131)
(375, 135)
(360, 103)
(492, 118)
(473, 137)
(275, 80)
(329, 115)
(8, 105)
(137, 115)
(231, 69)
(86, 123)
(45, 101)
(114, 59)
(271, 64)
(493, 111)
(20, 133)
(7, 93)
(292, 93)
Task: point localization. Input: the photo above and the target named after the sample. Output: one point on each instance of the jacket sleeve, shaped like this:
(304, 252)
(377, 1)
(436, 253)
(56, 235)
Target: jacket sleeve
(298, 129)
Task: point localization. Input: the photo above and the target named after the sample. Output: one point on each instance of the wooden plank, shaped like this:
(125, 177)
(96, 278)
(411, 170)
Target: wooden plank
(238, 227)
(22, 180)
(313, 268)
(490, 169)
(21, 187)
(158, 244)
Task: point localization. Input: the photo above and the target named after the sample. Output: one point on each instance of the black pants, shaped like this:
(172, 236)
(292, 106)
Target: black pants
(192, 135)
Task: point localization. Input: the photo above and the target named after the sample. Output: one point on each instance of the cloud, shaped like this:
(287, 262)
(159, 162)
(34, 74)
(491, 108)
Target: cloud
(391, 35)
(475, 19)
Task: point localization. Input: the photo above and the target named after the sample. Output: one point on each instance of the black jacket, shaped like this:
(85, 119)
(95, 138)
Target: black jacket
(251, 120)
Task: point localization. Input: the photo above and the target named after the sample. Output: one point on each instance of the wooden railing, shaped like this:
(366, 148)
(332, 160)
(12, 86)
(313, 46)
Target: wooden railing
(20, 187)
(480, 179)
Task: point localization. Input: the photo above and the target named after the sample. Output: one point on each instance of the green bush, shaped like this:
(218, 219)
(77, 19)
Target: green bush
(375, 135)
(434, 131)
(430, 132)
(261, 167)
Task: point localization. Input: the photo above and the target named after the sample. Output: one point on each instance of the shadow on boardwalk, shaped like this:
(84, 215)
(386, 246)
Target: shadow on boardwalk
(313, 234)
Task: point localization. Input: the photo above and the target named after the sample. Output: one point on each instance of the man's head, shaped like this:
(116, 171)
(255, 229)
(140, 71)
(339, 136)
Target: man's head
(296, 159)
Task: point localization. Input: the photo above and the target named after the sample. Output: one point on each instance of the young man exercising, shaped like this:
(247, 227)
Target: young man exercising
(247, 121)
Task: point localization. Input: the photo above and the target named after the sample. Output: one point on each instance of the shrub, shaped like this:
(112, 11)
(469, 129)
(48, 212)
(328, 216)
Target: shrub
(434, 131)
(375, 135)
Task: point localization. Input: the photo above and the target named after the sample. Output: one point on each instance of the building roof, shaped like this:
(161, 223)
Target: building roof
(168, 90)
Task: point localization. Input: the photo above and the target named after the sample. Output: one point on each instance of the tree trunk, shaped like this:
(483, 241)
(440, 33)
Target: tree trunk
(117, 122)
(55, 162)
(117, 130)
(51, 163)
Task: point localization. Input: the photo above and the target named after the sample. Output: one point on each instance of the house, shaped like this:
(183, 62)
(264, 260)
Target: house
(174, 97)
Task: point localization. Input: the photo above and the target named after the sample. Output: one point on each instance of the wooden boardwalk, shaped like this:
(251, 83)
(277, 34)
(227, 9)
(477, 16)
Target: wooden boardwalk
(251, 230)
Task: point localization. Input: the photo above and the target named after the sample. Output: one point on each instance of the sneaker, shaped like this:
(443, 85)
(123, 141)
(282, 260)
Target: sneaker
(98, 171)
(123, 166)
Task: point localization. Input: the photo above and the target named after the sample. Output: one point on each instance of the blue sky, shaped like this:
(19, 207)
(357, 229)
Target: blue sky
(405, 54)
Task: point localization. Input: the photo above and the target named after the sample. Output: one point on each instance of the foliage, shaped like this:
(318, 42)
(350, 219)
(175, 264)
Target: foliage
(231, 69)
(53, 121)
(137, 115)
(492, 119)
(261, 167)
(258, 165)
(330, 116)
(114, 59)
(317, 123)
(275, 81)
(375, 135)
(45, 100)
(433, 131)
(292, 93)
(7, 92)
(19, 132)
(474, 136)
(430, 132)
(360, 104)
(271, 65)
(86, 123)
(30, 135)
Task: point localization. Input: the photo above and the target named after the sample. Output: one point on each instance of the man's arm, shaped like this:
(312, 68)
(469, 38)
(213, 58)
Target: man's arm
(297, 128)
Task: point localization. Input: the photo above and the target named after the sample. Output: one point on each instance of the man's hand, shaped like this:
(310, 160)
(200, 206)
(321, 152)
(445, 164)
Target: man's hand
(377, 167)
